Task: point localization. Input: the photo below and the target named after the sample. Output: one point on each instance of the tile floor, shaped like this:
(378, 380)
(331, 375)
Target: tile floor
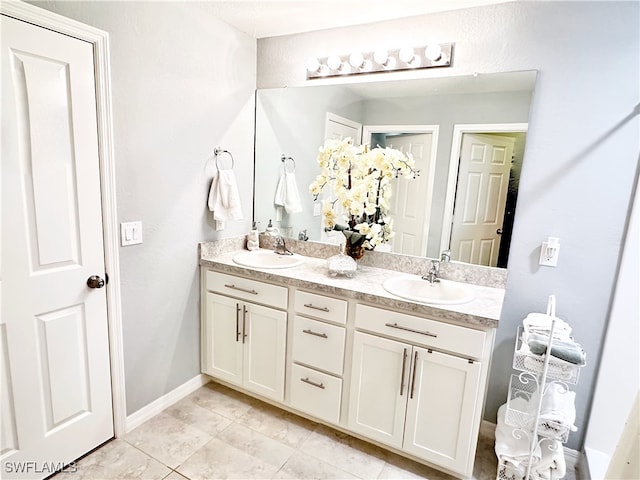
(217, 433)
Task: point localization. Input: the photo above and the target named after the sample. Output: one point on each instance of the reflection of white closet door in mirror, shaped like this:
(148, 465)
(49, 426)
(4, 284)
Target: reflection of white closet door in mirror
(483, 179)
(337, 128)
(412, 198)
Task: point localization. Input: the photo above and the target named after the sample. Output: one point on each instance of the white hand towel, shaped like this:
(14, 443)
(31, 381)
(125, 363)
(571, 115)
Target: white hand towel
(287, 194)
(224, 200)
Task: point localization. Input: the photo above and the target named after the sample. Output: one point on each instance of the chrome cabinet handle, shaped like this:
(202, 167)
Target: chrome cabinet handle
(311, 332)
(404, 368)
(244, 323)
(306, 380)
(252, 292)
(400, 327)
(413, 377)
(237, 322)
(311, 305)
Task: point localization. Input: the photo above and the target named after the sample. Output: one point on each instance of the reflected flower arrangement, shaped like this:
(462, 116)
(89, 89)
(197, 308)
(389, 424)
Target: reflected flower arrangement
(357, 186)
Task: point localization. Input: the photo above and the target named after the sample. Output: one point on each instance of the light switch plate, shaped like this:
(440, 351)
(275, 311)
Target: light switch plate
(130, 233)
(549, 258)
(317, 209)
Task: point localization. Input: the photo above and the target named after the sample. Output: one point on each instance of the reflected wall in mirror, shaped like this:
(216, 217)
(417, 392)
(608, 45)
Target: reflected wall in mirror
(453, 123)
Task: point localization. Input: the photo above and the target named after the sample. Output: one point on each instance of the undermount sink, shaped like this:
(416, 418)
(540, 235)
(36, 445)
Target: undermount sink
(414, 287)
(265, 258)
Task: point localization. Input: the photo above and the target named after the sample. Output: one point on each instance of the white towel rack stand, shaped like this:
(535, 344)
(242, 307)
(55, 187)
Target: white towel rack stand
(524, 385)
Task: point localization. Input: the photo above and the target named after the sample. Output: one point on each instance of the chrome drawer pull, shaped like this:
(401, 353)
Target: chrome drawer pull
(311, 332)
(311, 305)
(252, 292)
(306, 380)
(404, 367)
(400, 327)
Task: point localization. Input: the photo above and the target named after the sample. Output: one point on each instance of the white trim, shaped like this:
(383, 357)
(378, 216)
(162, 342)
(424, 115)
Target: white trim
(454, 161)
(100, 40)
(145, 413)
(434, 130)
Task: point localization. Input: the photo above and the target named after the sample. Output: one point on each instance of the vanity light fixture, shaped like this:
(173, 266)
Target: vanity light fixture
(405, 58)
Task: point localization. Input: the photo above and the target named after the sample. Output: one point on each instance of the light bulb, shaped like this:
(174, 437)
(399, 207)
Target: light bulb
(313, 65)
(334, 62)
(406, 54)
(356, 59)
(381, 57)
(433, 52)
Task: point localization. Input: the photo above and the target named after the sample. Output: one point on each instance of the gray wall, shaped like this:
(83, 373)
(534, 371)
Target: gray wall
(183, 82)
(580, 154)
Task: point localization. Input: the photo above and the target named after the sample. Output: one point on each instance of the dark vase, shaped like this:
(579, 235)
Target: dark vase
(354, 251)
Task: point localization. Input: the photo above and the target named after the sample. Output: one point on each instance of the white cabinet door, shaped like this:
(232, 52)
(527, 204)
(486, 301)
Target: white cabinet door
(222, 345)
(265, 333)
(441, 409)
(379, 388)
(244, 344)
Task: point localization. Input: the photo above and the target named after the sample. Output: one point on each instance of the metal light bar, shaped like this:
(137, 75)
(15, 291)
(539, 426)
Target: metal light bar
(406, 58)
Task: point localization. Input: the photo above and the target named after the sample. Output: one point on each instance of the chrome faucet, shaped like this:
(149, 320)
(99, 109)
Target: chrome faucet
(434, 272)
(445, 256)
(281, 247)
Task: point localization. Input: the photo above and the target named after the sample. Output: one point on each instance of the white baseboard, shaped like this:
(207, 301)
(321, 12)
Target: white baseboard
(145, 413)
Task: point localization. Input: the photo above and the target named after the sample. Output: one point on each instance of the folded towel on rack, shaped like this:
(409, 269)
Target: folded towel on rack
(552, 463)
(565, 349)
(559, 405)
(287, 194)
(512, 444)
(224, 200)
(541, 323)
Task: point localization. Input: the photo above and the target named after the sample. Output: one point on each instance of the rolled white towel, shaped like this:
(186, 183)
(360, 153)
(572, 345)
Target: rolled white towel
(512, 444)
(552, 464)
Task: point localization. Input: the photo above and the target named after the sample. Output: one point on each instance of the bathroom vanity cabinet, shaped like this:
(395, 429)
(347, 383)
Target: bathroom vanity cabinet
(406, 394)
(412, 384)
(243, 342)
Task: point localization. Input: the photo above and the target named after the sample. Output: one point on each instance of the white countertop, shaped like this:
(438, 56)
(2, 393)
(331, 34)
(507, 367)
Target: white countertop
(366, 286)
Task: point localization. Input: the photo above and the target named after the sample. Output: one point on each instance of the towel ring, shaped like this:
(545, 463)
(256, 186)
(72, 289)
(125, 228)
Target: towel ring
(219, 151)
(284, 159)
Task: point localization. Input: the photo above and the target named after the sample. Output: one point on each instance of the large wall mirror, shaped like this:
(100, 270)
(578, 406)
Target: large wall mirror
(466, 133)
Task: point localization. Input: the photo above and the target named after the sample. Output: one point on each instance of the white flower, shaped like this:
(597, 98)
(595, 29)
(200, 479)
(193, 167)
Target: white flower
(360, 188)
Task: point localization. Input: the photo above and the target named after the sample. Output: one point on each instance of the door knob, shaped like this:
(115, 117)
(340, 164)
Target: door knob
(94, 281)
(499, 231)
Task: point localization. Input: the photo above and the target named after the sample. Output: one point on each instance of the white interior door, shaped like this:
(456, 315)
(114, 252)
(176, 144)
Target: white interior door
(483, 180)
(411, 200)
(56, 390)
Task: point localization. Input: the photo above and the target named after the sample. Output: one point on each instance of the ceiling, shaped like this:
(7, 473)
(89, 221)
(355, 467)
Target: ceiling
(271, 18)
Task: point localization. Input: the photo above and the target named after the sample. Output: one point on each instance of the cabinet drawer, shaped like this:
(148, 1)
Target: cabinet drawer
(318, 344)
(316, 393)
(421, 331)
(319, 306)
(246, 289)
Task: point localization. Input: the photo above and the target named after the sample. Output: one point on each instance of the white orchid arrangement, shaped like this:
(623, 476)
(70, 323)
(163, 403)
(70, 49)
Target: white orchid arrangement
(361, 189)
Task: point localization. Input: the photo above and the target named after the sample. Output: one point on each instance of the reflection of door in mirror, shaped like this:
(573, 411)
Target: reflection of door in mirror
(411, 200)
(409, 204)
(483, 182)
(337, 128)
